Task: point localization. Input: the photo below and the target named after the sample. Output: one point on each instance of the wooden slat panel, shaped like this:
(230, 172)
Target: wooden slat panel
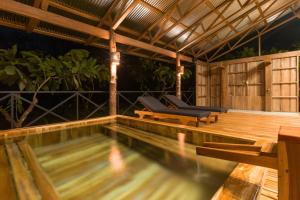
(6, 181)
(25, 187)
(201, 84)
(284, 84)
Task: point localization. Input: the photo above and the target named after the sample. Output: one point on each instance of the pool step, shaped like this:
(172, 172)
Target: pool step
(22, 176)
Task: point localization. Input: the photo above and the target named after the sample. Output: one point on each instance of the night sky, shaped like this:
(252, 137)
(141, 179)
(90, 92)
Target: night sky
(281, 38)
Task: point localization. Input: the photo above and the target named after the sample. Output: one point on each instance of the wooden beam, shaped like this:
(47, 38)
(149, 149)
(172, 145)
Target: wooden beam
(29, 11)
(213, 31)
(113, 75)
(198, 23)
(240, 43)
(161, 34)
(178, 77)
(281, 9)
(125, 14)
(43, 4)
(289, 163)
(254, 158)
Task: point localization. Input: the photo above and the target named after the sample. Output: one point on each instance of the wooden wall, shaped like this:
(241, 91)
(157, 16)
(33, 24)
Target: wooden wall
(202, 75)
(269, 83)
(285, 84)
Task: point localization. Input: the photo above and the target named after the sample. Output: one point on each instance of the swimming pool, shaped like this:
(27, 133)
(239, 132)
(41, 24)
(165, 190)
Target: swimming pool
(124, 158)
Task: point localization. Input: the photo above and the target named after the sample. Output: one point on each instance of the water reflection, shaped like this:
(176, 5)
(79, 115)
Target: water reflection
(181, 143)
(115, 158)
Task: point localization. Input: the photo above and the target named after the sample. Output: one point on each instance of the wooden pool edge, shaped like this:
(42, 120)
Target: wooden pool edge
(244, 182)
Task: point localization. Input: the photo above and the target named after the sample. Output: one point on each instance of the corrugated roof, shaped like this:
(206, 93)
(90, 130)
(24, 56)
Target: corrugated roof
(209, 19)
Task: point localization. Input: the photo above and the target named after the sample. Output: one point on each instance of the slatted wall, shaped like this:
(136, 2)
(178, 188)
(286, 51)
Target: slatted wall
(268, 82)
(202, 92)
(246, 85)
(215, 86)
(284, 84)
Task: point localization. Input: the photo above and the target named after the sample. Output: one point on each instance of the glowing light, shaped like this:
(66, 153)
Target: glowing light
(115, 159)
(181, 143)
(180, 71)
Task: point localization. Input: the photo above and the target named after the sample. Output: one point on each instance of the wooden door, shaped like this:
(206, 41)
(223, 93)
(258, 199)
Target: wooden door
(246, 85)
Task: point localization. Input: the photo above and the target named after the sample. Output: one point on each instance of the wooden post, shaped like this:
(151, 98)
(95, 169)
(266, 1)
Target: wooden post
(289, 163)
(224, 85)
(259, 45)
(178, 76)
(113, 76)
(268, 85)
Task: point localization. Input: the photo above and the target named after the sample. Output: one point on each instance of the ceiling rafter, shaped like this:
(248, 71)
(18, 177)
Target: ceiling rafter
(108, 13)
(258, 21)
(204, 29)
(200, 52)
(122, 17)
(220, 14)
(32, 23)
(156, 23)
(178, 22)
(196, 23)
(265, 30)
(77, 26)
(260, 10)
(212, 31)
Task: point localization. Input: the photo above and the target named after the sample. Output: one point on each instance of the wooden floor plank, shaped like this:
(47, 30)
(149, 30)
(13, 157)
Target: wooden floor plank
(26, 188)
(7, 189)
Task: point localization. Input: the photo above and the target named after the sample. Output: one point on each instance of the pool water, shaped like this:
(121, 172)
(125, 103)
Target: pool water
(114, 161)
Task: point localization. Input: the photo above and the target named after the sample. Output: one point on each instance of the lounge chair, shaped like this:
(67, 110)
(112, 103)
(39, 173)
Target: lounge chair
(173, 100)
(157, 110)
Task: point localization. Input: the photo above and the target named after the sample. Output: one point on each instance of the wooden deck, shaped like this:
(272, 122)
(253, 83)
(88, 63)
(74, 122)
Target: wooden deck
(258, 127)
(251, 126)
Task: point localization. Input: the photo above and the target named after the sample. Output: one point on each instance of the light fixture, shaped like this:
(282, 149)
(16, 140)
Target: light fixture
(115, 58)
(181, 70)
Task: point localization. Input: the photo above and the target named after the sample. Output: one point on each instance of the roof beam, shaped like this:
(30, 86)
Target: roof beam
(197, 23)
(125, 14)
(160, 35)
(255, 23)
(102, 20)
(75, 39)
(58, 20)
(212, 31)
(32, 23)
(267, 29)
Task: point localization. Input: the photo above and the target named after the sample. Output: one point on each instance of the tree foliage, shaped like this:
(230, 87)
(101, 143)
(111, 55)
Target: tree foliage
(34, 71)
(153, 75)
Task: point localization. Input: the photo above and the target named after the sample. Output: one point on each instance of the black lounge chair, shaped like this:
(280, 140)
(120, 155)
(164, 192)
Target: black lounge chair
(173, 100)
(157, 110)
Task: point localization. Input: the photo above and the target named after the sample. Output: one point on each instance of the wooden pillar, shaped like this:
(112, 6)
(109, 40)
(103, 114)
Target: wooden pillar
(289, 163)
(224, 86)
(113, 76)
(178, 76)
(268, 85)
